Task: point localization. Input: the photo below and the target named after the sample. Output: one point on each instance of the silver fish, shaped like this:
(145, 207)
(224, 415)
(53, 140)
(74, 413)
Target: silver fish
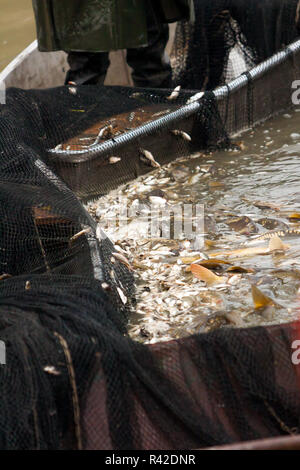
(149, 158)
(182, 134)
(105, 286)
(113, 160)
(161, 113)
(174, 94)
(79, 234)
(104, 132)
(122, 260)
(51, 370)
(122, 295)
(73, 90)
(195, 97)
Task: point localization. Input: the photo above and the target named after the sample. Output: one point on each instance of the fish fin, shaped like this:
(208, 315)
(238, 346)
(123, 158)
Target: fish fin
(259, 298)
(277, 244)
(205, 274)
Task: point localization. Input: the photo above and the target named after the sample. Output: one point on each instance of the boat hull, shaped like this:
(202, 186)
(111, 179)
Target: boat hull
(35, 69)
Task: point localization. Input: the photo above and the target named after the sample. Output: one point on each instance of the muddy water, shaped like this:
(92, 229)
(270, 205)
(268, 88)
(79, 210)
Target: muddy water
(247, 192)
(17, 29)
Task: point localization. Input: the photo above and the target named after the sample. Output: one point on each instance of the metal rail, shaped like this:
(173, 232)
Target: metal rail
(184, 112)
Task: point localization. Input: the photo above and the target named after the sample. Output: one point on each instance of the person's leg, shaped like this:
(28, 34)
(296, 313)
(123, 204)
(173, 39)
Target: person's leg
(151, 64)
(87, 68)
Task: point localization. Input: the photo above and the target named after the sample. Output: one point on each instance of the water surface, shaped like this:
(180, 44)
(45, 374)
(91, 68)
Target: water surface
(259, 179)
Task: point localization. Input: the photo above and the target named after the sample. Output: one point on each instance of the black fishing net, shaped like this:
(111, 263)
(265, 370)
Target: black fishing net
(73, 378)
(256, 29)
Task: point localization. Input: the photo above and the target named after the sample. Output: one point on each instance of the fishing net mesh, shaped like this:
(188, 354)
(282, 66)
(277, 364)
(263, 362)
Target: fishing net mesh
(73, 378)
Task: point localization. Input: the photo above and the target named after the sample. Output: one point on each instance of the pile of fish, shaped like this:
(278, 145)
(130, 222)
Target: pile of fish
(247, 270)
